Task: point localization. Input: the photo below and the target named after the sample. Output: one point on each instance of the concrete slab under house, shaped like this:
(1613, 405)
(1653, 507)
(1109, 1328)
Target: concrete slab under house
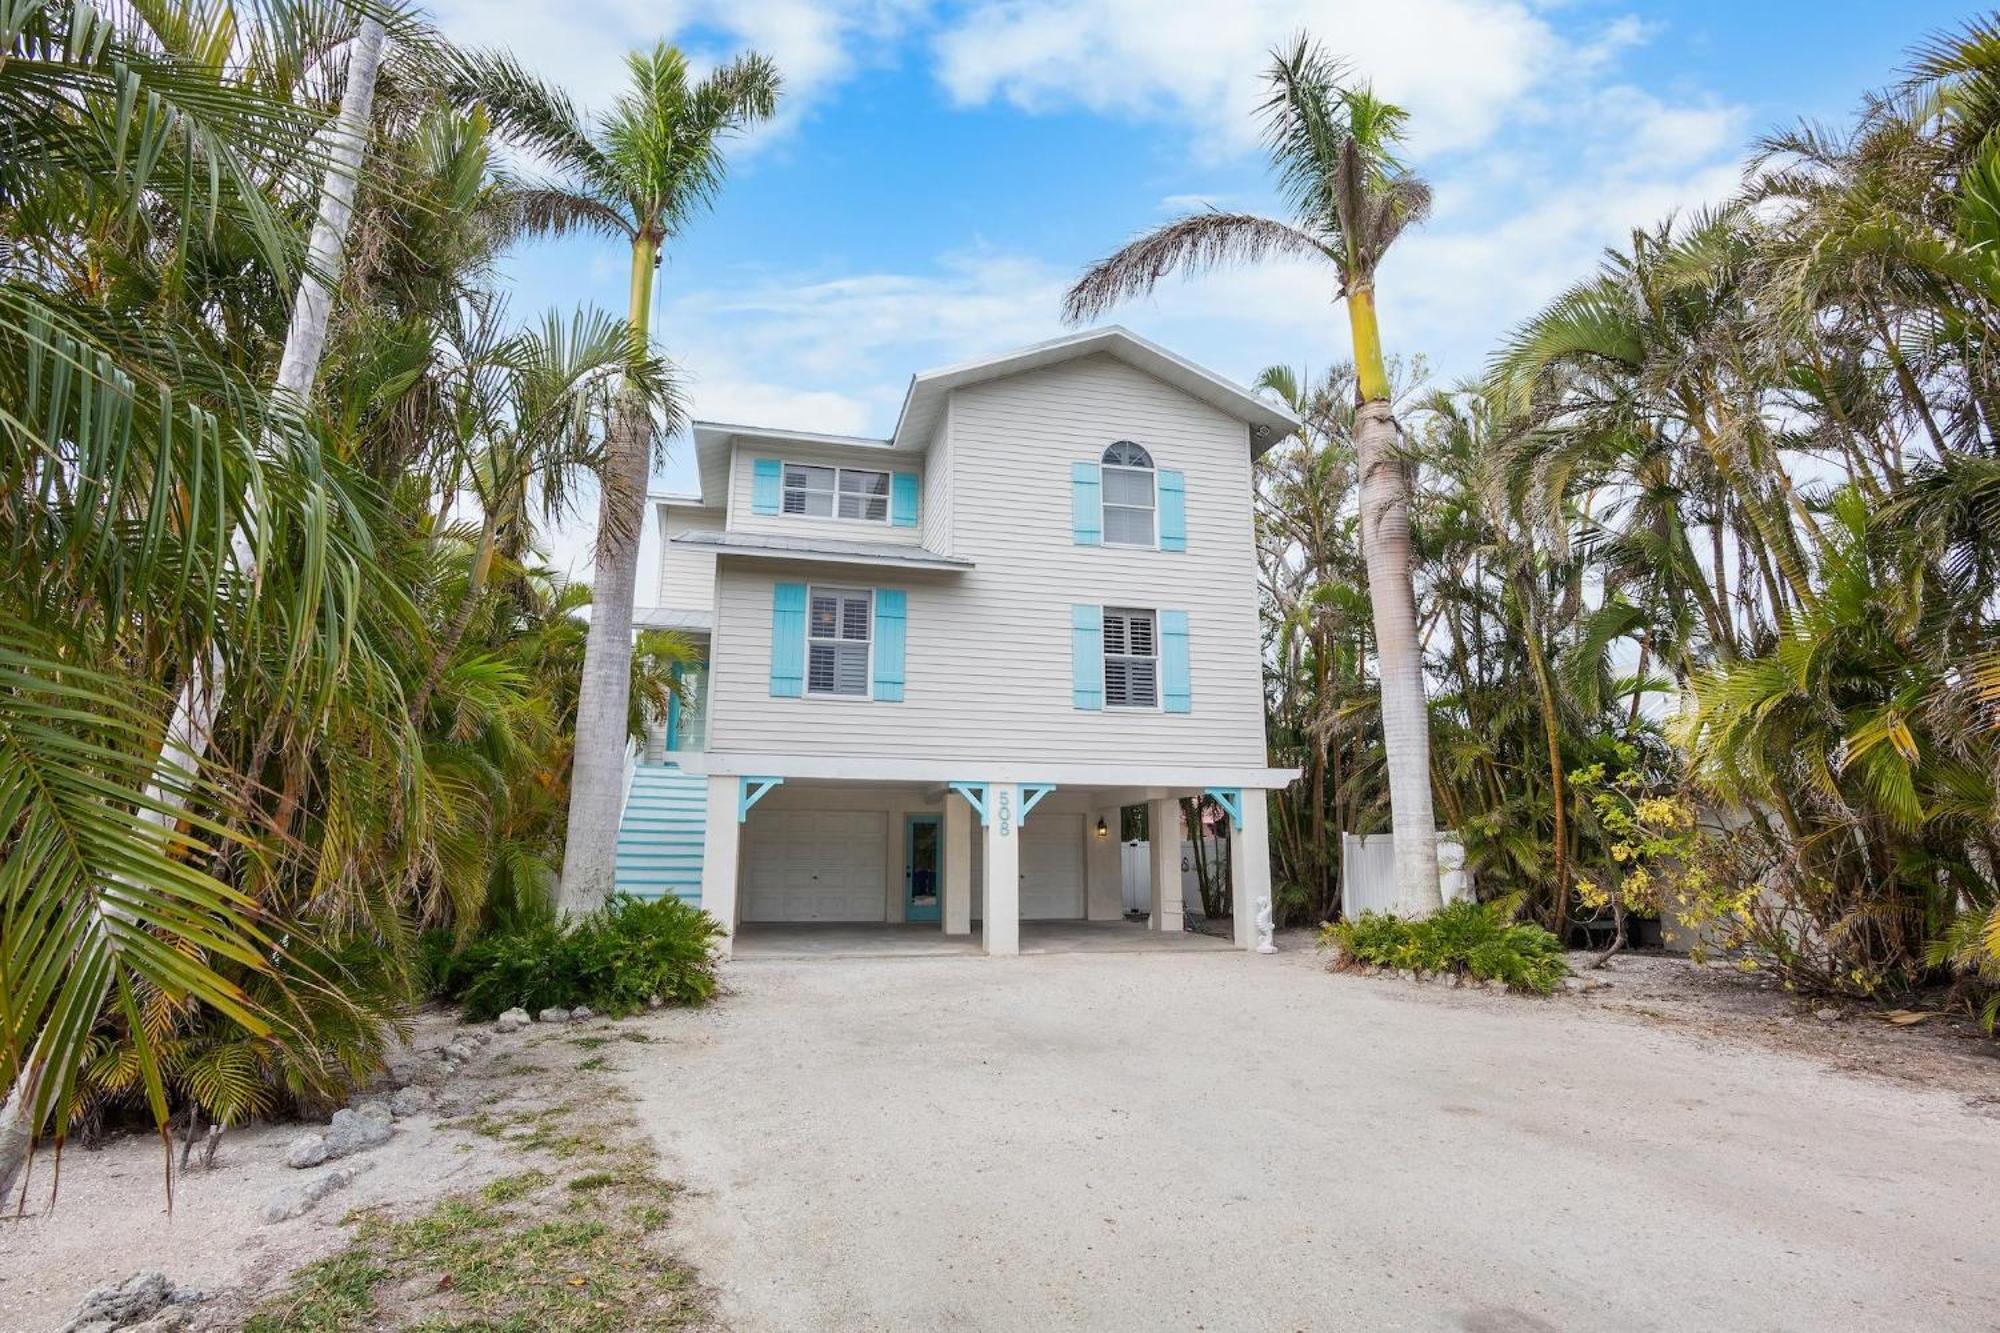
(938, 668)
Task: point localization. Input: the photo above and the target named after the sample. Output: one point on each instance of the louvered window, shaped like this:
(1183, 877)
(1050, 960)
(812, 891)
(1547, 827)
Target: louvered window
(838, 637)
(826, 492)
(1129, 501)
(864, 495)
(1131, 659)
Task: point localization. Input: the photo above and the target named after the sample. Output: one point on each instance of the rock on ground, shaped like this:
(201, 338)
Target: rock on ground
(554, 1014)
(412, 1100)
(299, 1199)
(349, 1133)
(513, 1020)
(125, 1304)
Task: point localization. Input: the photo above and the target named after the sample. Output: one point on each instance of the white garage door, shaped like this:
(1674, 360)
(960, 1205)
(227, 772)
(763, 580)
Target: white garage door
(815, 866)
(1051, 868)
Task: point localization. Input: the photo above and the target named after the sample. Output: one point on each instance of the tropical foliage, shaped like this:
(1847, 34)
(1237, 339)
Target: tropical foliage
(235, 931)
(1714, 538)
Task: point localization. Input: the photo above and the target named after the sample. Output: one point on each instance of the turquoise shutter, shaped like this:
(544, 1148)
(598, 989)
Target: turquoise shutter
(1087, 656)
(1086, 508)
(890, 633)
(1173, 511)
(903, 499)
(767, 482)
(1175, 697)
(788, 640)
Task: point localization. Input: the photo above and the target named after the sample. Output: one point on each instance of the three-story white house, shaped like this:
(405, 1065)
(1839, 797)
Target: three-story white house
(938, 665)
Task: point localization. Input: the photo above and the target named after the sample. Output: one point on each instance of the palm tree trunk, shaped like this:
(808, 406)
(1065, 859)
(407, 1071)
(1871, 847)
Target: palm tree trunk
(596, 793)
(1385, 515)
(192, 725)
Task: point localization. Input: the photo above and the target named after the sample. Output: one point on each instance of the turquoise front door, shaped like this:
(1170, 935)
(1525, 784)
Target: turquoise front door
(923, 868)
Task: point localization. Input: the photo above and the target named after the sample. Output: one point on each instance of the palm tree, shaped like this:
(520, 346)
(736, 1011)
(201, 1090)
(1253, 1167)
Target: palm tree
(638, 174)
(84, 915)
(1333, 143)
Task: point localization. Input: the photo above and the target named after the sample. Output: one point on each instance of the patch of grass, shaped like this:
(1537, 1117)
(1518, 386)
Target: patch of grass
(590, 1043)
(593, 1063)
(508, 1188)
(507, 1257)
(635, 1036)
(1479, 940)
(327, 1297)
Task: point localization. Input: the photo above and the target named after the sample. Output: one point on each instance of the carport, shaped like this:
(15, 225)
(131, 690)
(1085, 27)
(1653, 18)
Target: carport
(960, 859)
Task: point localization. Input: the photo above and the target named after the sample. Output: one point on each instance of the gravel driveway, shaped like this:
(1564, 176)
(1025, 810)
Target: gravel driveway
(1218, 1141)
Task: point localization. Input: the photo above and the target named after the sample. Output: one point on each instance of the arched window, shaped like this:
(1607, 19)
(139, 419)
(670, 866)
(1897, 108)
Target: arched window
(1129, 500)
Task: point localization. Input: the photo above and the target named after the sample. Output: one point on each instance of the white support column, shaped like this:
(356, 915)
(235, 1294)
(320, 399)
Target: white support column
(957, 911)
(1000, 914)
(1163, 830)
(721, 834)
(1250, 864)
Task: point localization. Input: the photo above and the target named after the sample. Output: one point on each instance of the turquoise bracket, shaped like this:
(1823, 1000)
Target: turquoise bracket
(974, 794)
(1031, 796)
(752, 791)
(1231, 800)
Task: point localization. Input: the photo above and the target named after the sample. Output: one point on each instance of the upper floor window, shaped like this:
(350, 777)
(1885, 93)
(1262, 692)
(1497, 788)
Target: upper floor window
(828, 492)
(1130, 501)
(1131, 659)
(839, 632)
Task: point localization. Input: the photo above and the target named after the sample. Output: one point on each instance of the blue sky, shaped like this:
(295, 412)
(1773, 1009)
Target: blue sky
(940, 171)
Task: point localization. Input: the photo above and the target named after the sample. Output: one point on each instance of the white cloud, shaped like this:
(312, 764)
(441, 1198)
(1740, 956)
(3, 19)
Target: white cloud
(581, 45)
(1456, 64)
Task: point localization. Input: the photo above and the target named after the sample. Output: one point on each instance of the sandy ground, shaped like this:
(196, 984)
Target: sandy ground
(1219, 1141)
(109, 1218)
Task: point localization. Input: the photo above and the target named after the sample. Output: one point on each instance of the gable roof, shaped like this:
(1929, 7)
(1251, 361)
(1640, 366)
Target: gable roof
(923, 402)
(1269, 422)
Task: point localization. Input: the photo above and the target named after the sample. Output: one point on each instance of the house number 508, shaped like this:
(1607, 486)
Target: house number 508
(1006, 814)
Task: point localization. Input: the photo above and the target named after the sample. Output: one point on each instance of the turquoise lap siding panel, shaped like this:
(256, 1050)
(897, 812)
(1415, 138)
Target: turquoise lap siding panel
(891, 615)
(1087, 656)
(767, 484)
(660, 834)
(788, 640)
(903, 499)
(1175, 694)
(1086, 504)
(1173, 511)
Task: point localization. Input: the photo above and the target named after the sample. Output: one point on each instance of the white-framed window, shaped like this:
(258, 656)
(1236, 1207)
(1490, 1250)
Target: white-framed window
(836, 492)
(1131, 659)
(839, 637)
(1131, 503)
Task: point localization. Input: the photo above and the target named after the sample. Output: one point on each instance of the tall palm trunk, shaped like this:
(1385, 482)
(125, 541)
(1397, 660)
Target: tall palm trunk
(1385, 537)
(192, 725)
(596, 792)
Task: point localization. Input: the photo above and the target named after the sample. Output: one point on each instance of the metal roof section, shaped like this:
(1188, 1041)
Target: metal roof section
(666, 617)
(880, 555)
(923, 404)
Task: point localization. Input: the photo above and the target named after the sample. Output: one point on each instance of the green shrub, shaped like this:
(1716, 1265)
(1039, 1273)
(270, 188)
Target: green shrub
(612, 960)
(1479, 940)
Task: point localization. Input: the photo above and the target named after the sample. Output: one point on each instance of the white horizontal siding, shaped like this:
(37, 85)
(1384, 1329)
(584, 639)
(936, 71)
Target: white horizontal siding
(988, 661)
(687, 573)
(742, 518)
(934, 517)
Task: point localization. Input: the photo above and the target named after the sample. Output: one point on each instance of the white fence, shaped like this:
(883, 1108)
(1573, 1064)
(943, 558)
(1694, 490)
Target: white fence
(1135, 860)
(1368, 872)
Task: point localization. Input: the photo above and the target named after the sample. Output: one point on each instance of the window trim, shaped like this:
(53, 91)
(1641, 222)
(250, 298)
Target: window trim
(1152, 613)
(867, 596)
(1151, 471)
(838, 470)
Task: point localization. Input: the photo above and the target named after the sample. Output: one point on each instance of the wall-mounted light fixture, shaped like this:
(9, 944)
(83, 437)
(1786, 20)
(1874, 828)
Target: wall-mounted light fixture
(1102, 829)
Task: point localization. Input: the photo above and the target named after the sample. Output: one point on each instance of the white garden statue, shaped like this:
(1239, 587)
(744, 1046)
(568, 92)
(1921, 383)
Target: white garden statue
(1264, 927)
